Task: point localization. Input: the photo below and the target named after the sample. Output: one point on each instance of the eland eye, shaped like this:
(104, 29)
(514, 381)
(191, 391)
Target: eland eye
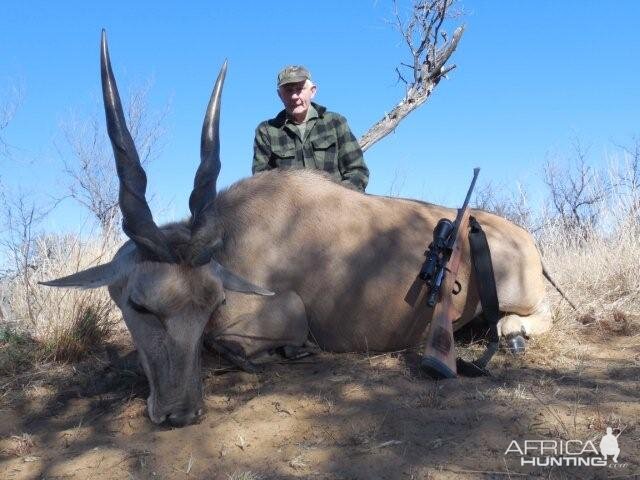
(139, 308)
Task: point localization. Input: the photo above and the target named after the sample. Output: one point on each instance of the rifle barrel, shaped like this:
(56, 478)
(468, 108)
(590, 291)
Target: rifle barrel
(456, 223)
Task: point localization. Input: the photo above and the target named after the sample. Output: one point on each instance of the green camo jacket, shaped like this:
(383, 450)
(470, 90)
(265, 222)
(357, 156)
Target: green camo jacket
(327, 145)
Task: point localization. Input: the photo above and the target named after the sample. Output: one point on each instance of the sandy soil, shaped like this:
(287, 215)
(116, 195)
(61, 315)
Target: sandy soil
(331, 417)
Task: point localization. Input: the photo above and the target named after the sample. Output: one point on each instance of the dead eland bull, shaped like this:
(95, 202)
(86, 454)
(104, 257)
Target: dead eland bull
(340, 267)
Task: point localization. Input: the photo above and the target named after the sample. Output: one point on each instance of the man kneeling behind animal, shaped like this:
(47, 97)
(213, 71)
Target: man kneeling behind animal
(307, 135)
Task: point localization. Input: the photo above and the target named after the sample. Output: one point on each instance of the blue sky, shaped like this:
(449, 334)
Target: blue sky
(531, 76)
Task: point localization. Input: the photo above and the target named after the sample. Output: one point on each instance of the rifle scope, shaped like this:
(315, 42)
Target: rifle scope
(437, 254)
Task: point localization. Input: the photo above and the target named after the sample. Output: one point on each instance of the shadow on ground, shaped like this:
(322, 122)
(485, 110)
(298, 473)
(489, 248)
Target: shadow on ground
(329, 416)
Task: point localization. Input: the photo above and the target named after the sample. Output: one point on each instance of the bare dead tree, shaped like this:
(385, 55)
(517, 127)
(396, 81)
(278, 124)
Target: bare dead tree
(90, 168)
(20, 218)
(512, 205)
(626, 178)
(430, 49)
(486, 197)
(577, 191)
(10, 101)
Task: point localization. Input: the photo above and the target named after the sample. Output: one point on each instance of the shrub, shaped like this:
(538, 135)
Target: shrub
(17, 350)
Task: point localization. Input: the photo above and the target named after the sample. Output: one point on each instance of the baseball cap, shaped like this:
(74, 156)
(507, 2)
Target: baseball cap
(293, 74)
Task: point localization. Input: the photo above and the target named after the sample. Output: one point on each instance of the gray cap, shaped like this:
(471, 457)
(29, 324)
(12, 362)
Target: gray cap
(293, 74)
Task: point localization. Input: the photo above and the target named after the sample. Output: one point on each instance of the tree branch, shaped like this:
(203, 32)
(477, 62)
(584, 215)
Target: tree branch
(429, 64)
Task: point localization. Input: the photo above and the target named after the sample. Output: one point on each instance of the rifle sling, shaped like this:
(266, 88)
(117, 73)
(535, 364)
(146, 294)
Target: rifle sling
(486, 282)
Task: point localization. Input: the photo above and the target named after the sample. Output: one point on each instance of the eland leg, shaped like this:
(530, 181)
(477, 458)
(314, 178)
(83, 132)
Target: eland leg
(250, 326)
(516, 328)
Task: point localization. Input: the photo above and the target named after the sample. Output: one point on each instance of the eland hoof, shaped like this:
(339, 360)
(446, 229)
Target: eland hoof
(516, 344)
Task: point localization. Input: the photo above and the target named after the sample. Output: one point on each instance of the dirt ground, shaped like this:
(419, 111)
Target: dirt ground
(332, 416)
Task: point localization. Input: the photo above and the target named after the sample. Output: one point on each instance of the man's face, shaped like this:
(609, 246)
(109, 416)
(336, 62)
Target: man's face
(296, 98)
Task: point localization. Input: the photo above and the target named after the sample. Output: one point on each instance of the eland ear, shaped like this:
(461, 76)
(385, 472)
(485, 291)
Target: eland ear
(99, 276)
(236, 283)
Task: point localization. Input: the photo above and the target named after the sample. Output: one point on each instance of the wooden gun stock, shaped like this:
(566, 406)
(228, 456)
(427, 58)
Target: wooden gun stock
(439, 359)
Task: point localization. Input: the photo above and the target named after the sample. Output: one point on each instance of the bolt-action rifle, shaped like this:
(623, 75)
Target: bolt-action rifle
(439, 272)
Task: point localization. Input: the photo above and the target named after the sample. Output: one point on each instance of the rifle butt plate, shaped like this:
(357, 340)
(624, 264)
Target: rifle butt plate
(436, 369)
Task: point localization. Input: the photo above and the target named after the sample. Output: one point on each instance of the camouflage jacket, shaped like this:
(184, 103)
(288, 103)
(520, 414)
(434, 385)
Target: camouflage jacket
(327, 145)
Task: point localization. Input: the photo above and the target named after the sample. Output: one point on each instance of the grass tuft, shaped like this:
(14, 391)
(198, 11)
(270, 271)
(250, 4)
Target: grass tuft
(87, 330)
(20, 445)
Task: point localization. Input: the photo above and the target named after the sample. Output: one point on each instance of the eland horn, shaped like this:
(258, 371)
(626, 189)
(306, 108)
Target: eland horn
(137, 221)
(201, 200)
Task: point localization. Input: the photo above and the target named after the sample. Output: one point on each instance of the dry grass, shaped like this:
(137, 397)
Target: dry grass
(20, 445)
(244, 476)
(431, 398)
(63, 324)
(599, 274)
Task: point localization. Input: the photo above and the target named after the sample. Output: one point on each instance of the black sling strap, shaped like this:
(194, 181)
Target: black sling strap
(486, 282)
(485, 278)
